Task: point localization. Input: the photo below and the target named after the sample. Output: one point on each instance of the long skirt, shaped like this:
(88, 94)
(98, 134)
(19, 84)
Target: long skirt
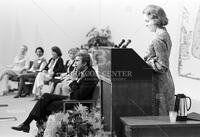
(39, 83)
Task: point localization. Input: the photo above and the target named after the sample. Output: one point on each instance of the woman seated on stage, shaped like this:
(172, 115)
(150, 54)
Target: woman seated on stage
(54, 66)
(69, 65)
(82, 87)
(21, 63)
(68, 68)
(62, 87)
(38, 65)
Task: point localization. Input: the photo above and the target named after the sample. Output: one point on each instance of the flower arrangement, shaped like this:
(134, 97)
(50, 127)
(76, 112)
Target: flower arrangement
(79, 122)
(99, 37)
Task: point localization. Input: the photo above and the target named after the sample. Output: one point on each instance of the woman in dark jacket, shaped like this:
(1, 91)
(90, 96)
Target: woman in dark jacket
(68, 68)
(54, 66)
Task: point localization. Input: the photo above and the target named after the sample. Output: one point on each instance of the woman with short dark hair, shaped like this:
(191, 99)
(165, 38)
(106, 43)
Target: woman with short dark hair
(39, 48)
(38, 65)
(54, 66)
(57, 84)
(57, 51)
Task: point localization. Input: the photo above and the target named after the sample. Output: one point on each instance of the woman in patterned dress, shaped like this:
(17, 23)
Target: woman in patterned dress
(158, 58)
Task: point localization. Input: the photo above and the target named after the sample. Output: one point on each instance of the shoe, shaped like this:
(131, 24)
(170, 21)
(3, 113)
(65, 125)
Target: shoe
(22, 127)
(36, 98)
(17, 96)
(24, 94)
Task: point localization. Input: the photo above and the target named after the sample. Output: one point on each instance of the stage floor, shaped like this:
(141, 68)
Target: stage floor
(18, 108)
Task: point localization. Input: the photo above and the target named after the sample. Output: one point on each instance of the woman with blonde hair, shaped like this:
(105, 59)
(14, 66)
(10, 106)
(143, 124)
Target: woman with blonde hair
(21, 64)
(69, 65)
(157, 57)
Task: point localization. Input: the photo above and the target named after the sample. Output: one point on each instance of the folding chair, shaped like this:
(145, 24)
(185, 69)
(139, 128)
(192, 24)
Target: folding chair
(16, 78)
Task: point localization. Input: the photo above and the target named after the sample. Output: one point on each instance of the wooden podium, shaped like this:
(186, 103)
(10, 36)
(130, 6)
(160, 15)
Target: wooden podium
(126, 86)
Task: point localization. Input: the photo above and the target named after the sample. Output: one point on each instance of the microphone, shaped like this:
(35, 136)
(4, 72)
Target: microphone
(120, 44)
(115, 46)
(126, 45)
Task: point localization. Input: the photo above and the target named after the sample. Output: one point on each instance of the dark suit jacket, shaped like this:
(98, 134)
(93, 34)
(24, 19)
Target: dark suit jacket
(81, 90)
(58, 68)
(84, 88)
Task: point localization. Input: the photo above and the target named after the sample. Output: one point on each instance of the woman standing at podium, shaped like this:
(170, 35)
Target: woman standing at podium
(158, 58)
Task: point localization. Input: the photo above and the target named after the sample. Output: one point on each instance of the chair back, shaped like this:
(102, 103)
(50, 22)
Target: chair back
(90, 103)
(30, 64)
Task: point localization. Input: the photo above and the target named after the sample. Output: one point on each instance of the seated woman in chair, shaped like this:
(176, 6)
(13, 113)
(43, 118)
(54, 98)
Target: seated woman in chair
(21, 63)
(68, 68)
(38, 65)
(82, 88)
(54, 66)
(69, 65)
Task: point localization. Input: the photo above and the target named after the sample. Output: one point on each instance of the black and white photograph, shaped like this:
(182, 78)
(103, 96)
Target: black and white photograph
(99, 68)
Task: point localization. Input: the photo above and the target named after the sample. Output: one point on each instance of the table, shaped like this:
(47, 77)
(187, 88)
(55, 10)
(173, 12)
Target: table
(158, 126)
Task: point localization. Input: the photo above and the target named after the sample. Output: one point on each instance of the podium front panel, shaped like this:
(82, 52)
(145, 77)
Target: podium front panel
(126, 86)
